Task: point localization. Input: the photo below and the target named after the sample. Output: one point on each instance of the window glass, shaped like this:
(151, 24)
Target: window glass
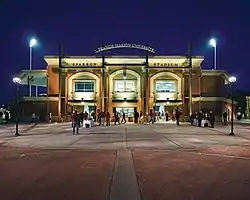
(165, 86)
(84, 86)
(124, 85)
(129, 112)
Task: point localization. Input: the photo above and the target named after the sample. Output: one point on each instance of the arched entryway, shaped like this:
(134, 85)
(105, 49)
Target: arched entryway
(83, 91)
(165, 91)
(125, 91)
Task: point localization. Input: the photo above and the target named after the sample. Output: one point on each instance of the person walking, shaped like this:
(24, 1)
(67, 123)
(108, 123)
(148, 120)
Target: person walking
(151, 115)
(192, 118)
(225, 118)
(123, 118)
(141, 117)
(211, 119)
(166, 116)
(200, 117)
(117, 119)
(136, 115)
(108, 119)
(177, 116)
(76, 123)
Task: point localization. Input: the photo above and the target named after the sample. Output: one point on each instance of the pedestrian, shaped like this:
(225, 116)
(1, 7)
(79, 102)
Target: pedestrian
(62, 118)
(141, 117)
(151, 115)
(123, 118)
(108, 119)
(211, 119)
(192, 117)
(102, 118)
(200, 117)
(33, 117)
(177, 116)
(117, 119)
(76, 123)
(225, 118)
(166, 116)
(136, 115)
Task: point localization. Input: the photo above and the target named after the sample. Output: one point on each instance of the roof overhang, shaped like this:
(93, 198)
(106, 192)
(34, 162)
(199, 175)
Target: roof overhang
(212, 72)
(153, 61)
(37, 77)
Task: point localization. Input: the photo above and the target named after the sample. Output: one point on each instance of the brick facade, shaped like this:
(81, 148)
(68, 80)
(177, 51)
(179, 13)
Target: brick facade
(208, 90)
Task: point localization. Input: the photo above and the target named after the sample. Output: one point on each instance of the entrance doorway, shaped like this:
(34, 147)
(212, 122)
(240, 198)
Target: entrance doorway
(162, 108)
(83, 108)
(129, 112)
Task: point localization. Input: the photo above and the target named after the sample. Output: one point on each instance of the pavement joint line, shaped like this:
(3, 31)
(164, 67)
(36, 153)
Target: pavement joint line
(223, 133)
(221, 155)
(137, 178)
(77, 140)
(112, 176)
(124, 184)
(126, 138)
(171, 141)
(163, 149)
(226, 134)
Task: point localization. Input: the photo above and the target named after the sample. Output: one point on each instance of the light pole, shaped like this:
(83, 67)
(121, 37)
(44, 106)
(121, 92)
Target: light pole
(213, 43)
(232, 80)
(32, 43)
(17, 81)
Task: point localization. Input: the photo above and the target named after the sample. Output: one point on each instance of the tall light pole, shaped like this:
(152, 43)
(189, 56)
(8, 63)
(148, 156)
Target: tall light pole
(213, 43)
(32, 43)
(232, 80)
(17, 81)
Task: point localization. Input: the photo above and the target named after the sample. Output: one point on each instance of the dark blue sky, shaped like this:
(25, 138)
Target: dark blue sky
(83, 25)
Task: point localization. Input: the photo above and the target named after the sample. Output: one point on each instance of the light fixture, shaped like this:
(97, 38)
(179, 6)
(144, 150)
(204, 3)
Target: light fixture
(124, 74)
(213, 42)
(33, 42)
(168, 101)
(232, 79)
(16, 80)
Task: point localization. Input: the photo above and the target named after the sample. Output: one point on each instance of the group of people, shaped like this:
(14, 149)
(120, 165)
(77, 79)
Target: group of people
(165, 116)
(198, 117)
(5, 115)
(118, 118)
(87, 120)
(78, 120)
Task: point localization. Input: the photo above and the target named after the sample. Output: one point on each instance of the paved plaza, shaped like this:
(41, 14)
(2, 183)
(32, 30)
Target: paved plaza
(130, 136)
(128, 161)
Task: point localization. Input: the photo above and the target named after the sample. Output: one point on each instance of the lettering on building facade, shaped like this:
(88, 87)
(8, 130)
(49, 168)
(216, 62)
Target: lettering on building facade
(125, 45)
(78, 64)
(83, 64)
(166, 65)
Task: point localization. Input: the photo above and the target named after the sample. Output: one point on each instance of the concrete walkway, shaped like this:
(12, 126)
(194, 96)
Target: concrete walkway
(129, 161)
(157, 136)
(124, 184)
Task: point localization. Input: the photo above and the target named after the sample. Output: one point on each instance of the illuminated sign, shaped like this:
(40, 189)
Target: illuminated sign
(166, 64)
(125, 45)
(184, 64)
(79, 64)
(83, 64)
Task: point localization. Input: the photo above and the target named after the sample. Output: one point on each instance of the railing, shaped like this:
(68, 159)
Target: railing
(125, 95)
(166, 95)
(215, 94)
(82, 96)
(39, 98)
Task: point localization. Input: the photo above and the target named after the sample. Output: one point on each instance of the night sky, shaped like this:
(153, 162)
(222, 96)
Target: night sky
(82, 26)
